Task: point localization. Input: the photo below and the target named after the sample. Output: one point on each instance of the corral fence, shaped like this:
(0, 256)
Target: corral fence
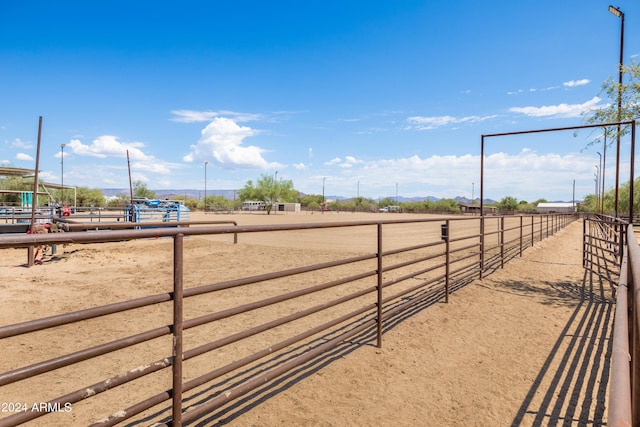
(624, 400)
(603, 246)
(187, 361)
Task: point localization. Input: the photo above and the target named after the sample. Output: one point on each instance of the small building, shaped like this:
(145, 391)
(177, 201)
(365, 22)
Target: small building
(556, 207)
(474, 209)
(286, 207)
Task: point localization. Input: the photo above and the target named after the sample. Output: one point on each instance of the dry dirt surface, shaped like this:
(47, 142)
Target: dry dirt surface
(527, 345)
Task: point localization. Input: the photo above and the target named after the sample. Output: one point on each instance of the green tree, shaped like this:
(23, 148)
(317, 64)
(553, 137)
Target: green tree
(140, 190)
(269, 190)
(508, 203)
(217, 203)
(13, 183)
(118, 201)
(311, 201)
(446, 205)
(86, 196)
(630, 104)
(387, 201)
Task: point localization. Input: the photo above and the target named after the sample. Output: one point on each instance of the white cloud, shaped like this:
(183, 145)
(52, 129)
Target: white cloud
(348, 162)
(192, 116)
(109, 146)
(18, 143)
(222, 142)
(24, 156)
(560, 110)
(426, 123)
(574, 83)
(526, 175)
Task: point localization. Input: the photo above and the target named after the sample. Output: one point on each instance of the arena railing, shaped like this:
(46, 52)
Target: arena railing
(624, 389)
(382, 285)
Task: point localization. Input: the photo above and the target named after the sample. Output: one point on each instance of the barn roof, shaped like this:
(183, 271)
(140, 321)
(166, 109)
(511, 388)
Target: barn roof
(556, 205)
(7, 171)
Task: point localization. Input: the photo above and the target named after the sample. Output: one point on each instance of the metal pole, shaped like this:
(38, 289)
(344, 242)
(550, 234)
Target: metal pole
(30, 250)
(396, 194)
(482, 176)
(62, 174)
(178, 288)
(617, 12)
(604, 162)
(379, 286)
(599, 178)
(323, 200)
(205, 186)
(133, 211)
(631, 167)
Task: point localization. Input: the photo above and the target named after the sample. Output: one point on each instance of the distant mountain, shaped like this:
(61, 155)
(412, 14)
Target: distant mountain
(232, 195)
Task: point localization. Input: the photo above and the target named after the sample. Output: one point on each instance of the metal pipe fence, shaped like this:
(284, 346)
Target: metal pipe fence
(252, 334)
(624, 405)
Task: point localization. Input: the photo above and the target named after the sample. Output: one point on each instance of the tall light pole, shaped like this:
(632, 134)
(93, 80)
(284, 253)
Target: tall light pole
(597, 187)
(473, 189)
(599, 178)
(323, 200)
(276, 194)
(617, 12)
(62, 174)
(604, 167)
(396, 194)
(205, 187)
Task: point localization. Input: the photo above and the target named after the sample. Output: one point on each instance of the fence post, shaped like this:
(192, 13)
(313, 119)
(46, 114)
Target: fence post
(178, 244)
(446, 280)
(541, 229)
(521, 222)
(584, 242)
(501, 237)
(533, 232)
(621, 246)
(379, 332)
(481, 245)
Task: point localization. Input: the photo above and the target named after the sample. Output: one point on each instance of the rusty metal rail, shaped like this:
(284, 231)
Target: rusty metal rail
(602, 246)
(624, 404)
(379, 285)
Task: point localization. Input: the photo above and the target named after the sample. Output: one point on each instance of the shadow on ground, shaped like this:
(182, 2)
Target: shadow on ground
(571, 387)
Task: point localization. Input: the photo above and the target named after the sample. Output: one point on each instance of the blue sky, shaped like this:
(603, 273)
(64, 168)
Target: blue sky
(365, 96)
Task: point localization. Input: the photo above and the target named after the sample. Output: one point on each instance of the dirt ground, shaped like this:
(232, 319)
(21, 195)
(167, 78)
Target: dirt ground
(527, 345)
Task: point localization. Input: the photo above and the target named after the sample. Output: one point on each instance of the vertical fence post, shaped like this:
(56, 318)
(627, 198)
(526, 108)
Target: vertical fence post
(533, 230)
(501, 237)
(481, 245)
(584, 242)
(546, 228)
(621, 244)
(521, 222)
(541, 229)
(177, 328)
(446, 280)
(379, 332)
(634, 319)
